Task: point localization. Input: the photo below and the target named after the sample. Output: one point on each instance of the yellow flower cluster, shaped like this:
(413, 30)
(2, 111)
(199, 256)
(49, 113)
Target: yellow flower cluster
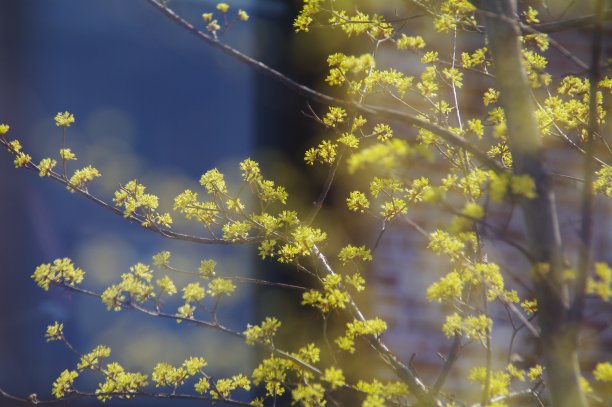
(64, 119)
(353, 253)
(601, 284)
(263, 333)
(324, 153)
(371, 327)
(81, 177)
(61, 271)
(332, 296)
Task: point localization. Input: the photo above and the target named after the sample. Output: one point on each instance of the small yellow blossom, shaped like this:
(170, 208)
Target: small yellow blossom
(223, 7)
(67, 155)
(242, 15)
(22, 159)
(46, 166)
(64, 119)
(262, 333)
(15, 146)
(166, 285)
(63, 384)
(193, 292)
(213, 26)
(82, 176)
(603, 372)
(55, 332)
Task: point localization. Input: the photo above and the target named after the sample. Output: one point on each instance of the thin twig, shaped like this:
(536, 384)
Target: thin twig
(486, 388)
(516, 397)
(448, 364)
(135, 218)
(213, 325)
(570, 24)
(318, 204)
(77, 394)
(405, 372)
(239, 279)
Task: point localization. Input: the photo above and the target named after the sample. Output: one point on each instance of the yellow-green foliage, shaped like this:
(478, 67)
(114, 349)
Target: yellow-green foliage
(601, 285)
(61, 271)
(603, 372)
(332, 296)
(263, 333)
(63, 384)
(372, 327)
(401, 169)
(499, 381)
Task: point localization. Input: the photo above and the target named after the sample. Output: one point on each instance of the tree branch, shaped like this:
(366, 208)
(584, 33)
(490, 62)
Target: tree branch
(313, 95)
(570, 24)
(406, 373)
(213, 325)
(540, 217)
(586, 228)
(135, 218)
(453, 353)
(77, 394)
(517, 397)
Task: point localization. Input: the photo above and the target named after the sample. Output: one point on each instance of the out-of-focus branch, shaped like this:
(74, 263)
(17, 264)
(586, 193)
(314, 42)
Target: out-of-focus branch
(586, 227)
(570, 24)
(318, 204)
(517, 397)
(540, 215)
(530, 29)
(448, 364)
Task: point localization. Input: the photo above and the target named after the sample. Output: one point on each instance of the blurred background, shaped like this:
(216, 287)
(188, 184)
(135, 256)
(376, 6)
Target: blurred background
(154, 103)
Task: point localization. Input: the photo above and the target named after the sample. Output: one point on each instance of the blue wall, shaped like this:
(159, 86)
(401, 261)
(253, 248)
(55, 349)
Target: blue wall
(151, 102)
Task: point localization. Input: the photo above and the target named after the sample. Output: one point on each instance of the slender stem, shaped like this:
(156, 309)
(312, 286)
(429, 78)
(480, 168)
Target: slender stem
(239, 279)
(486, 388)
(64, 163)
(213, 325)
(405, 372)
(453, 87)
(517, 397)
(318, 204)
(448, 364)
(167, 233)
(78, 394)
(383, 228)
